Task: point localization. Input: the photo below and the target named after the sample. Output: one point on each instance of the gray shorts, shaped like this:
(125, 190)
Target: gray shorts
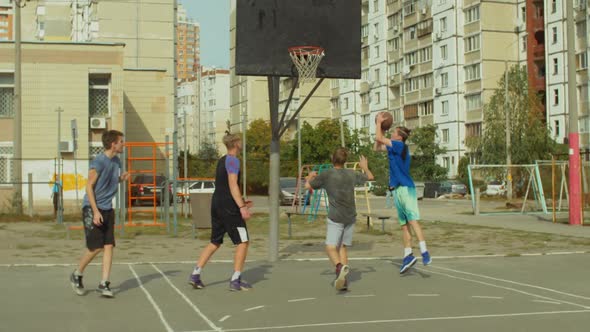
(338, 234)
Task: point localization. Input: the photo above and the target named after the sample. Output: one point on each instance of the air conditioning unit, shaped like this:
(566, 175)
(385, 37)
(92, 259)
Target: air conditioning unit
(396, 28)
(406, 71)
(438, 36)
(424, 10)
(98, 123)
(66, 146)
(437, 91)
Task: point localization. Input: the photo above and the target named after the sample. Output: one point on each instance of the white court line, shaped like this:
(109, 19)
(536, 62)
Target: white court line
(513, 282)
(487, 297)
(368, 295)
(152, 301)
(311, 259)
(224, 318)
(304, 299)
(194, 307)
(254, 308)
(503, 287)
(383, 321)
(550, 302)
(424, 295)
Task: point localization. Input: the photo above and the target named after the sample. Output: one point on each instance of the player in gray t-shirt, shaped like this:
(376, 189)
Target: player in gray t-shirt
(104, 175)
(339, 183)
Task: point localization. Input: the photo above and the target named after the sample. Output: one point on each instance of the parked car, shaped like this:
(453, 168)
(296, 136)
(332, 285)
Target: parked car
(145, 186)
(496, 188)
(287, 194)
(195, 187)
(452, 187)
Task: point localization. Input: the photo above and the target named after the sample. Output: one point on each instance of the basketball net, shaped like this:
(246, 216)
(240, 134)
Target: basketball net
(306, 59)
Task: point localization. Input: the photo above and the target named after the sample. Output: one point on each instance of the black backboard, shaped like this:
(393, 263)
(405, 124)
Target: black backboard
(265, 29)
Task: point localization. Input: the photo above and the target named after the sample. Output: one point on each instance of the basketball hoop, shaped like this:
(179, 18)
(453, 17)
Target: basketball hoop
(306, 59)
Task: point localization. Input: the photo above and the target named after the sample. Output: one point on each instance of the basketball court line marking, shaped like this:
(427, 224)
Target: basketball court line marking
(254, 308)
(424, 295)
(300, 300)
(303, 259)
(368, 295)
(190, 303)
(152, 301)
(224, 318)
(512, 282)
(503, 287)
(543, 301)
(383, 321)
(487, 297)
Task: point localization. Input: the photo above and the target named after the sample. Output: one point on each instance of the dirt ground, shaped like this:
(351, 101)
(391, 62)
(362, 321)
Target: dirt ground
(38, 242)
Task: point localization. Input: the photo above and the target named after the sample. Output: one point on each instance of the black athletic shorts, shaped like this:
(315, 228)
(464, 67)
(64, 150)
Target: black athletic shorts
(228, 220)
(99, 236)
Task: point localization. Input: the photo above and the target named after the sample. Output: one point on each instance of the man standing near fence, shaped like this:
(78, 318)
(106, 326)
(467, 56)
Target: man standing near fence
(98, 215)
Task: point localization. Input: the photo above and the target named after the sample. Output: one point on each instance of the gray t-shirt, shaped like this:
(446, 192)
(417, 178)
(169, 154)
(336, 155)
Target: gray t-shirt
(107, 184)
(339, 184)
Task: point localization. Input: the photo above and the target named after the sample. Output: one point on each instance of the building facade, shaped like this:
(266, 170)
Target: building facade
(188, 47)
(6, 21)
(215, 106)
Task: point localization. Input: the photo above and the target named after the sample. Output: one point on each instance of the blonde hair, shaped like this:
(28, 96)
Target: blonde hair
(230, 140)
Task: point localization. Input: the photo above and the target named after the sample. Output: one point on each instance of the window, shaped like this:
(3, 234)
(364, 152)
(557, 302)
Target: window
(377, 76)
(425, 109)
(392, 21)
(6, 95)
(473, 102)
(446, 163)
(376, 27)
(553, 6)
(523, 14)
(397, 115)
(472, 14)
(582, 60)
(426, 54)
(556, 127)
(472, 43)
(555, 66)
(377, 98)
(473, 129)
(99, 95)
(424, 28)
(365, 98)
(411, 58)
(427, 81)
(365, 120)
(365, 31)
(409, 7)
(411, 32)
(6, 162)
(581, 29)
(555, 97)
(445, 136)
(523, 43)
(554, 35)
(376, 48)
(365, 75)
(375, 6)
(472, 72)
(443, 24)
(443, 52)
(444, 80)
(345, 103)
(395, 43)
(444, 107)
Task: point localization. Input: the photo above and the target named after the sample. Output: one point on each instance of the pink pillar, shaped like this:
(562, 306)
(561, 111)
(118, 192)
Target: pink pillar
(575, 202)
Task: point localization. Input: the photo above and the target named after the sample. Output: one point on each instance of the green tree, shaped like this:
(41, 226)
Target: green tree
(530, 137)
(203, 163)
(424, 166)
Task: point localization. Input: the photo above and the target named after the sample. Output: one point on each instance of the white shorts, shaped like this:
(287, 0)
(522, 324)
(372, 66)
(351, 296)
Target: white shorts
(338, 234)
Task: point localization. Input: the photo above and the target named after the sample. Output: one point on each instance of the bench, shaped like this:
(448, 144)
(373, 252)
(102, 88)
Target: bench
(377, 216)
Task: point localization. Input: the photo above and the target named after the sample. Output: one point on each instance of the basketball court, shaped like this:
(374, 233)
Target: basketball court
(529, 293)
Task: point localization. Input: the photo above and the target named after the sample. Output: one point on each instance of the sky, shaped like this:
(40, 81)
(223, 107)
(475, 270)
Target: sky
(213, 17)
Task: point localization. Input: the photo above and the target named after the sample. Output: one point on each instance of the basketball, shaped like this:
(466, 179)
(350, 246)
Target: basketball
(387, 121)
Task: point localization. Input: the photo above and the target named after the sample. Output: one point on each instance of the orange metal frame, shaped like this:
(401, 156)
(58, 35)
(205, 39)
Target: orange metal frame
(130, 159)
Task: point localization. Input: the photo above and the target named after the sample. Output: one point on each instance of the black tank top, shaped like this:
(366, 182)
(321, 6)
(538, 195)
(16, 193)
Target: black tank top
(222, 194)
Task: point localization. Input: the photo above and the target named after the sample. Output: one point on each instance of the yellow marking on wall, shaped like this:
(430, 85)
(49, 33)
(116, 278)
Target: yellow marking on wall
(69, 181)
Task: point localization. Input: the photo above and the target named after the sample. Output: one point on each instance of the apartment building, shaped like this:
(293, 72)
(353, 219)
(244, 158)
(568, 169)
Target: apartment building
(6, 20)
(188, 59)
(215, 106)
(553, 15)
(189, 119)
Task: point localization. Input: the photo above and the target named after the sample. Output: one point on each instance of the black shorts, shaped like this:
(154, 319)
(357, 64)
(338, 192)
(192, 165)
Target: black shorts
(98, 236)
(227, 220)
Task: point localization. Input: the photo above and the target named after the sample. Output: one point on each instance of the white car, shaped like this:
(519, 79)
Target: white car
(496, 188)
(202, 187)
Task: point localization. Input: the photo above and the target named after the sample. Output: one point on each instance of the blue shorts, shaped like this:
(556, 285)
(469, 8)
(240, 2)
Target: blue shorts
(406, 203)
